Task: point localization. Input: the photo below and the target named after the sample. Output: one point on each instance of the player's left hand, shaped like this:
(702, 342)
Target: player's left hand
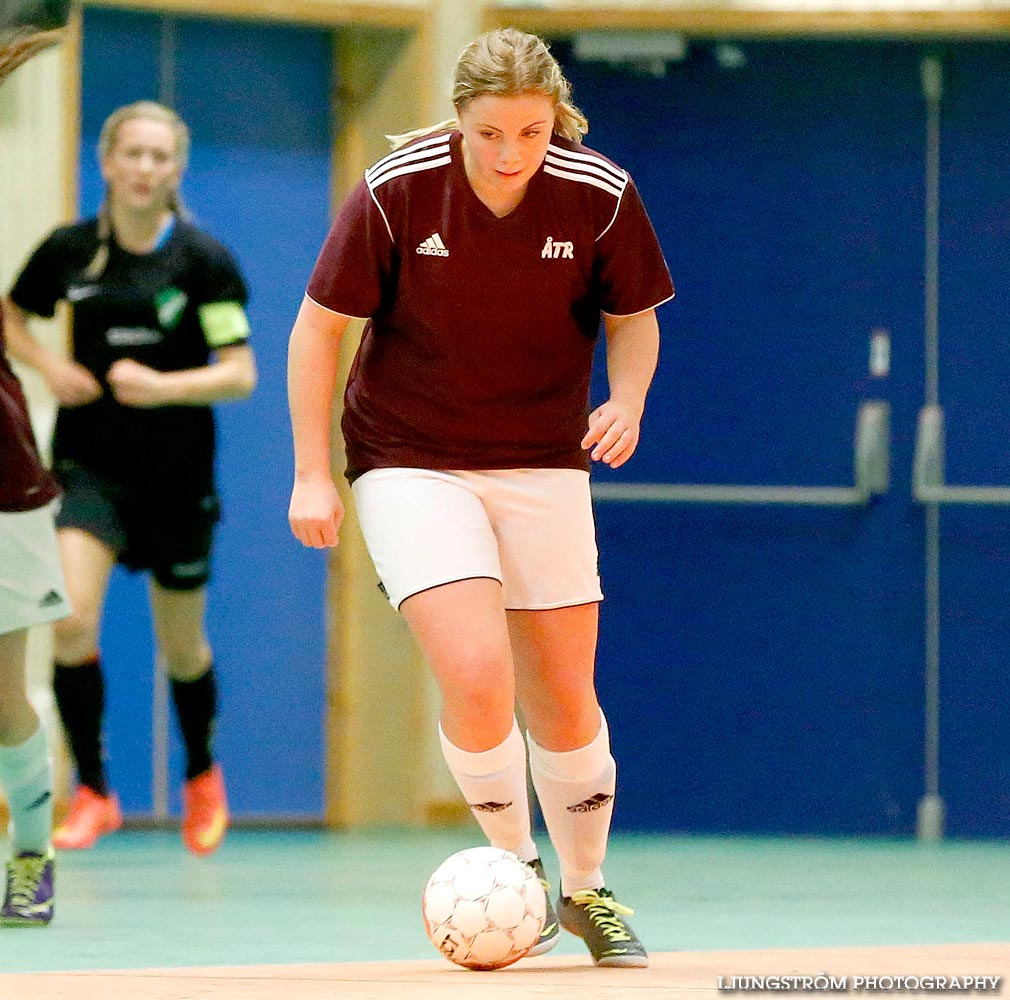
(134, 384)
(613, 433)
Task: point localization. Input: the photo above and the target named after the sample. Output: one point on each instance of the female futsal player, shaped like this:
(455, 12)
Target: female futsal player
(31, 583)
(159, 334)
(484, 252)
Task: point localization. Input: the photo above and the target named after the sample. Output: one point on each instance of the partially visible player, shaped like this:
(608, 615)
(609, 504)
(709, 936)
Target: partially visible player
(159, 335)
(31, 583)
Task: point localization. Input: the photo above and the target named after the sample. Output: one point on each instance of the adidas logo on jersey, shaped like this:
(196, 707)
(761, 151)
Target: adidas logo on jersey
(433, 247)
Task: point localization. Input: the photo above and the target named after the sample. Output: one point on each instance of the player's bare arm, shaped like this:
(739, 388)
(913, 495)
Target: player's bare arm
(232, 375)
(316, 510)
(632, 354)
(72, 384)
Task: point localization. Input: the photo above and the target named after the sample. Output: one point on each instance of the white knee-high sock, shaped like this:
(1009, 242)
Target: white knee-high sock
(494, 785)
(576, 793)
(27, 777)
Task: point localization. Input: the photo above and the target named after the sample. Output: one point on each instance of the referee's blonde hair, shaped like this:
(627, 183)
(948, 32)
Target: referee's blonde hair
(107, 139)
(508, 62)
(152, 111)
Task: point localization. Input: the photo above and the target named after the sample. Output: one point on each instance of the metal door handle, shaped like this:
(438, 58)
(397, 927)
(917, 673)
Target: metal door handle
(928, 484)
(871, 470)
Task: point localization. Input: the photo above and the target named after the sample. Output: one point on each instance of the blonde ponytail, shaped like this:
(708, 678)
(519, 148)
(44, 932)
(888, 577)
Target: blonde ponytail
(396, 141)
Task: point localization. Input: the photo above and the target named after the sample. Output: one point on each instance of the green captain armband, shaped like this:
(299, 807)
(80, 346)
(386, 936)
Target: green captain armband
(223, 323)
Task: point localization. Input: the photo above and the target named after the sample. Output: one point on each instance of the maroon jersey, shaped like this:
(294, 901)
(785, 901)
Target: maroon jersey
(481, 332)
(25, 483)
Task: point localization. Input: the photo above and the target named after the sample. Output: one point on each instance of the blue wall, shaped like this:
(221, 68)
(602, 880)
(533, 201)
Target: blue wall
(257, 100)
(763, 667)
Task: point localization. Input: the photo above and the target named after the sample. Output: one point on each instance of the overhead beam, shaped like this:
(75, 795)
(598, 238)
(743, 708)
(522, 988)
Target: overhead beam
(701, 20)
(318, 13)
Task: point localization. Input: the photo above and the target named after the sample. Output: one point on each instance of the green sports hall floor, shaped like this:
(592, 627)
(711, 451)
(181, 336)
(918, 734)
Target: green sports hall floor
(138, 900)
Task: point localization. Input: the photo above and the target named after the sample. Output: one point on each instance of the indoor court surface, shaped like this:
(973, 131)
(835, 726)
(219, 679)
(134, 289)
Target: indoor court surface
(308, 914)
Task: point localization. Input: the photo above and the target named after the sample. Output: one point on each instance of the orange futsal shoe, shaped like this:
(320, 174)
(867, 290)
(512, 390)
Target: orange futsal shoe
(91, 815)
(204, 811)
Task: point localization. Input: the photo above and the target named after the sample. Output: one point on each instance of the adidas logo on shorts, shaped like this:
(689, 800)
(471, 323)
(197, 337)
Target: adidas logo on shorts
(433, 247)
(50, 600)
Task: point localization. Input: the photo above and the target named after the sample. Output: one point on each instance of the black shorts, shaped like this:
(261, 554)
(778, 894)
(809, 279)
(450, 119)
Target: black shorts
(172, 539)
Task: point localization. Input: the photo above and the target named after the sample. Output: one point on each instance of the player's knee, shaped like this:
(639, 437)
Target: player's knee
(478, 673)
(17, 718)
(76, 636)
(185, 659)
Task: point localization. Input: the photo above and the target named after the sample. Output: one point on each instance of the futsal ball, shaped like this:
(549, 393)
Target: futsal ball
(483, 908)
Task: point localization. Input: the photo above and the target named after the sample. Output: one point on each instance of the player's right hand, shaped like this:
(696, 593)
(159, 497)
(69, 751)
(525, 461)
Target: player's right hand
(316, 512)
(72, 384)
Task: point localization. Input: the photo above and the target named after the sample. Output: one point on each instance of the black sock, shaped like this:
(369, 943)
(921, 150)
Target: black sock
(80, 698)
(196, 710)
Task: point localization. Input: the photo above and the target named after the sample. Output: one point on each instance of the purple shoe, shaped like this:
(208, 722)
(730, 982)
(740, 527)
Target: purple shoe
(28, 899)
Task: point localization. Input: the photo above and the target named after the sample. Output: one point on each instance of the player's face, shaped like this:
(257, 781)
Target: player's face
(505, 140)
(142, 167)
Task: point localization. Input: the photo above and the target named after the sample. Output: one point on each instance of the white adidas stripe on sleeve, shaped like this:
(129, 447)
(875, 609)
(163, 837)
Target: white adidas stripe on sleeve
(584, 160)
(430, 153)
(597, 182)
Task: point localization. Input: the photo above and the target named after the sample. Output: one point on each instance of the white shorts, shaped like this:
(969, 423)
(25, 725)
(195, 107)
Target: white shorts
(32, 590)
(532, 530)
